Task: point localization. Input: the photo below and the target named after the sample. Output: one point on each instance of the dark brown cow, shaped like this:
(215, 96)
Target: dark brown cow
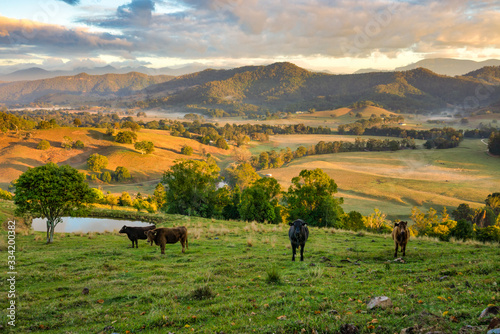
(136, 232)
(400, 235)
(298, 234)
(165, 235)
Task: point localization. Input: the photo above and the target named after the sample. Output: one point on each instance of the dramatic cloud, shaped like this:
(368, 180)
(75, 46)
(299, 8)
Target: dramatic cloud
(71, 2)
(262, 29)
(35, 37)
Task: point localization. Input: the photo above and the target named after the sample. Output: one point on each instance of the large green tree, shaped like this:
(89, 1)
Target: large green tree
(191, 186)
(310, 198)
(260, 201)
(96, 162)
(145, 146)
(51, 192)
(241, 175)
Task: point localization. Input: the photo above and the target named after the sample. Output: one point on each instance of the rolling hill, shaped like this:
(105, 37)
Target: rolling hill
(81, 84)
(451, 67)
(258, 89)
(284, 86)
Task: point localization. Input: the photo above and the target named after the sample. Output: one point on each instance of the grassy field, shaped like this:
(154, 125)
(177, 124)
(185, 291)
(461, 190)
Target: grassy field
(239, 278)
(394, 182)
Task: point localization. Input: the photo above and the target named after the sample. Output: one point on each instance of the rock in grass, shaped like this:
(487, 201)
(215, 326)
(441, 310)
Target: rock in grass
(494, 331)
(380, 301)
(348, 329)
(489, 310)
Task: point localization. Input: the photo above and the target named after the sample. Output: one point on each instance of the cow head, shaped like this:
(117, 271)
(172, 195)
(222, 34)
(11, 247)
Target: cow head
(297, 226)
(151, 234)
(402, 225)
(124, 229)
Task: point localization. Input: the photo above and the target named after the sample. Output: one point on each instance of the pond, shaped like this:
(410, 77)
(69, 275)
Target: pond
(79, 224)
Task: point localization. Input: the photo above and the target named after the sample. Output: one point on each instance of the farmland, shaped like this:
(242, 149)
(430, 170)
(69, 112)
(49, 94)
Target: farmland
(239, 278)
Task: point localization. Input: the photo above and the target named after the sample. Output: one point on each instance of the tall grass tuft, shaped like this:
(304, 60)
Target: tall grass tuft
(273, 275)
(203, 292)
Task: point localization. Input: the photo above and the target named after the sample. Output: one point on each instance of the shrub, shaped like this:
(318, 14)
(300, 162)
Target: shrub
(96, 162)
(463, 230)
(43, 145)
(187, 150)
(125, 137)
(4, 194)
(78, 144)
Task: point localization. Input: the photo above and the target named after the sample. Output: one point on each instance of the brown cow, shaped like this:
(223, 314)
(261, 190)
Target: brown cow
(400, 235)
(164, 235)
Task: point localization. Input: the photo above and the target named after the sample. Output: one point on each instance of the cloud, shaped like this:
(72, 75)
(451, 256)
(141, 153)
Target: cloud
(273, 29)
(30, 36)
(71, 2)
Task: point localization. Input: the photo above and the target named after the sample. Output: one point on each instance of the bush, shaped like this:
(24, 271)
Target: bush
(126, 137)
(43, 145)
(4, 194)
(78, 144)
(490, 233)
(187, 150)
(121, 174)
(96, 162)
(463, 230)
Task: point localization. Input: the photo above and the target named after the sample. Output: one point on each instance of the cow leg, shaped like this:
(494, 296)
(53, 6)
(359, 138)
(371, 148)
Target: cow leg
(162, 247)
(182, 244)
(293, 252)
(302, 252)
(396, 250)
(403, 249)
(136, 243)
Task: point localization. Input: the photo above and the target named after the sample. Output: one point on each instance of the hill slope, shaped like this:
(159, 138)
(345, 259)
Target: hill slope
(81, 84)
(284, 86)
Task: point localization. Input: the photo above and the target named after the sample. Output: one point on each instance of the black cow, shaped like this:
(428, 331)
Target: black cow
(136, 232)
(298, 234)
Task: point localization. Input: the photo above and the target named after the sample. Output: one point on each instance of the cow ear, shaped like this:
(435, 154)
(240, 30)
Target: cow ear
(291, 223)
(396, 224)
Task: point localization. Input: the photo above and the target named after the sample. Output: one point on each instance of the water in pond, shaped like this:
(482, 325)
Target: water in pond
(79, 224)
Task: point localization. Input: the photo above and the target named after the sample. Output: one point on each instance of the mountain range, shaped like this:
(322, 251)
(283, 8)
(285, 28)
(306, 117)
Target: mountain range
(257, 89)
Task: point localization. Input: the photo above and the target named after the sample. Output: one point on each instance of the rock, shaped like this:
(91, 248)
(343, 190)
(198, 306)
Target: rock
(333, 312)
(443, 278)
(85, 291)
(409, 330)
(471, 330)
(348, 329)
(489, 310)
(380, 301)
(494, 331)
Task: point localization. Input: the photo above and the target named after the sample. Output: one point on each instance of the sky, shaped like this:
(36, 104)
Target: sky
(340, 36)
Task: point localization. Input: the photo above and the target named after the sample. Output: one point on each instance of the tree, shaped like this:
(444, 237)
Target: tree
(126, 137)
(51, 192)
(145, 146)
(187, 150)
(67, 143)
(191, 186)
(221, 143)
(77, 122)
(43, 145)
(494, 143)
(106, 177)
(159, 195)
(260, 201)
(121, 174)
(310, 198)
(353, 221)
(96, 162)
(78, 144)
(125, 199)
(463, 212)
(241, 175)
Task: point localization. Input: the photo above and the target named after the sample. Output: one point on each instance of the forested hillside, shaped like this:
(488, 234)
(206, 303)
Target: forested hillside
(81, 84)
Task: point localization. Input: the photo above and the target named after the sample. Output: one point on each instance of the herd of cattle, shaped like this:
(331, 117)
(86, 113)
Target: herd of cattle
(298, 234)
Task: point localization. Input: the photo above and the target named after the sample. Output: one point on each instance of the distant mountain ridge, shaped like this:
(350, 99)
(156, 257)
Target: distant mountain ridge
(81, 84)
(37, 73)
(450, 67)
(258, 89)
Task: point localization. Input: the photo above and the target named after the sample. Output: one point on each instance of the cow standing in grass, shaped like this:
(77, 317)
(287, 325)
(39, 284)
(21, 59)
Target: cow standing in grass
(298, 234)
(164, 235)
(400, 235)
(136, 232)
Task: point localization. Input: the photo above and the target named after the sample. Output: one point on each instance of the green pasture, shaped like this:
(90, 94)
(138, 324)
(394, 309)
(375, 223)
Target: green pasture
(239, 278)
(394, 182)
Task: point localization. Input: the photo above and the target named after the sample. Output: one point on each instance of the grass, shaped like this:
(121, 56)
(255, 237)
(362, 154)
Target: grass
(222, 285)
(394, 182)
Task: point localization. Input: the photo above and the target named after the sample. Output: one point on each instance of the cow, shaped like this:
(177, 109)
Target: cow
(400, 235)
(298, 234)
(136, 232)
(164, 235)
